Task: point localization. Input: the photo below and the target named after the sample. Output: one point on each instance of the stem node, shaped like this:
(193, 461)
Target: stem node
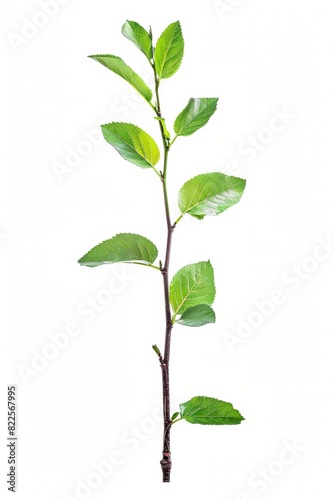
(166, 465)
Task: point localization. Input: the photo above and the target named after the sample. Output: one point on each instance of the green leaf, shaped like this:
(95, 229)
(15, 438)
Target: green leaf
(195, 115)
(118, 66)
(124, 247)
(192, 285)
(209, 411)
(156, 349)
(175, 415)
(210, 194)
(163, 123)
(197, 316)
(139, 36)
(169, 50)
(132, 143)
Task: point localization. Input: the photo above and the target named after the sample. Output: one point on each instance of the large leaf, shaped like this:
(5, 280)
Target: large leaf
(139, 36)
(210, 194)
(209, 411)
(195, 115)
(169, 50)
(192, 285)
(132, 143)
(124, 247)
(197, 316)
(118, 66)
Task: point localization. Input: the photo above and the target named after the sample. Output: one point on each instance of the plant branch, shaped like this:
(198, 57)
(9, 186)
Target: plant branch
(166, 462)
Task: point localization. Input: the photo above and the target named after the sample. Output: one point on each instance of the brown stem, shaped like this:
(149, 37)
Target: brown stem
(166, 462)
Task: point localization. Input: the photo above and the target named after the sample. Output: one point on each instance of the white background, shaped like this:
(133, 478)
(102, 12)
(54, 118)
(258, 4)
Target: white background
(258, 57)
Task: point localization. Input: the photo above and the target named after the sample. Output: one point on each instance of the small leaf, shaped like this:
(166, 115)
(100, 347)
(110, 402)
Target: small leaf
(163, 123)
(175, 415)
(195, 115)
(197, 316)
(156, 349)
(169, 51)
(124, 247)
(139, 36)
(209, 411)
(210, 194)
(132, 143)
(118, 66)
(192, 285)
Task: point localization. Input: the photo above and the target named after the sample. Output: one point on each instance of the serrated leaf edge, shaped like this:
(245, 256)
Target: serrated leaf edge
(134, 72)
(215, 109)
(166, 53)
(196, 326)
(210, 173)
(131, 21)
(188, 265)
(142, 130)
(215, 399)
(125, 261)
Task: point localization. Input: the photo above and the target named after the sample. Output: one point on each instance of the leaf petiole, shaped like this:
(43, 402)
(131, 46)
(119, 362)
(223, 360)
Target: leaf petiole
(157, 172)
(178, 220)
(146, 265)
(177, 420)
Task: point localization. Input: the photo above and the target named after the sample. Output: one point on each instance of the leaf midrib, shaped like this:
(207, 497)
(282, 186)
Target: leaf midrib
(185, 298)
(167, 50)
(192, 119)
(129, 75)
(131, 146)
(202, 200)
(211, 413)
(230, 419)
